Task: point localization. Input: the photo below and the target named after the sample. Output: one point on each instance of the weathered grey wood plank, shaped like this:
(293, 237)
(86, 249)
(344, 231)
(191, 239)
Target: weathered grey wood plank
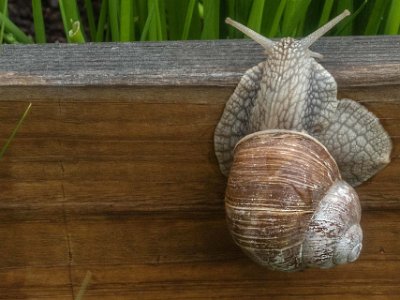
(353, 61)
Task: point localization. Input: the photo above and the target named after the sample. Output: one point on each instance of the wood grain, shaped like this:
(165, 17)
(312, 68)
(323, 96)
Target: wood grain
(354, 61)
(185, 256)
(91, 152)
(114, 172)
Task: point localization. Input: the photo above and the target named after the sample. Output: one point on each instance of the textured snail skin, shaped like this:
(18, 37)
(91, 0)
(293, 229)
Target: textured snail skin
(287, 206)
(291, 90)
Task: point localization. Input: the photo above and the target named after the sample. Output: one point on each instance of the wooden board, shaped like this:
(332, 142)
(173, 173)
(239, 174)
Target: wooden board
(177, 256)
(114, 172)
(353, 61)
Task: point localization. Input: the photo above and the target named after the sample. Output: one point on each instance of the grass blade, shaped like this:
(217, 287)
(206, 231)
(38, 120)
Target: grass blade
(40, 33)
(143, 11)
(345, 28)
(75, 34)
(238, 10)
(10, 39)
(290, 18)
(351, 18)
(393, 19)
(256, 15)
(133, 21)
(113, 18)
(102, 21)
(276, 19)
(107, 31)
(146, 26)
(188, 19)
(196, 23)
(70, 14)
(294, 17)
(8, 142)
(289, 22)
(4, 6)
(12, 28)
(326, 13)
(90, 17)
(211, 19)
(155, 28)
(175, 17)
(162, 20)
(374, 19)
(231, 11)
(84, 285)
(64, 18)
(126, 23)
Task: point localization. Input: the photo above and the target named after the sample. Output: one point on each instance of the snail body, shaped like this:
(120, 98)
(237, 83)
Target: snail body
(287, 206)
(291, 90)
(293, 153)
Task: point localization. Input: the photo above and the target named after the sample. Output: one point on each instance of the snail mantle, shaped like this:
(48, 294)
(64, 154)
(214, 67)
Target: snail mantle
(114, 170)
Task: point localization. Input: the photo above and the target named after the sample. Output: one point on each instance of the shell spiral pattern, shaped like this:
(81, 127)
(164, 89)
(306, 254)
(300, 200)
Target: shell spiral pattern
(287, 206)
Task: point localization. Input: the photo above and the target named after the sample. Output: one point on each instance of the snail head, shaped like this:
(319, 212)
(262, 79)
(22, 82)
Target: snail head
(288, 43)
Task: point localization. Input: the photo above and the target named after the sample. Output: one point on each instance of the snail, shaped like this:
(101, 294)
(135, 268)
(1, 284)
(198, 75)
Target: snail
(280, 213)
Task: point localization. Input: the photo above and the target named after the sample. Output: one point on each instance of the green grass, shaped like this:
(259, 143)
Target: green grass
(127, 26)
(9, 140)
(113, 17)
(256, 15)
(3, 7)
(156, 20)
(71, 20)
(8, 30)
(211, 19)
(91, 20)
(38, 22)
(375, 11)
(393, 18)
(84, 286)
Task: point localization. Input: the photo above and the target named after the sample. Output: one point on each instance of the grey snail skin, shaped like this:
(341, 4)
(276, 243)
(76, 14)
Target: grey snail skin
(293, 153)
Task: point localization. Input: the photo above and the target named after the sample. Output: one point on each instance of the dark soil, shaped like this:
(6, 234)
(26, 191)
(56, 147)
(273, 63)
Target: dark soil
(20, 12)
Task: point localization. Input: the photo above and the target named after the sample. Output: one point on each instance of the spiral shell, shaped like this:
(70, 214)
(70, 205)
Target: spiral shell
(287, 206)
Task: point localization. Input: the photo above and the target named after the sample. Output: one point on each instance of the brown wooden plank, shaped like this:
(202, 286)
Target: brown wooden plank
(204, 280)
(191, 256)
(35, 243)
(84, 144)
(239, 280)
(140, 149)
(34, 282)
(114, 172)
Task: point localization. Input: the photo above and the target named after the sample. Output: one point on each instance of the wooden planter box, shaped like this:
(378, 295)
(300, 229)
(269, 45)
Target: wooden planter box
(114, 172)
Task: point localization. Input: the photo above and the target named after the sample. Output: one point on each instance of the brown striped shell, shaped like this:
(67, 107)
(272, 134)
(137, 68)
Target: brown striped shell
(287, 206)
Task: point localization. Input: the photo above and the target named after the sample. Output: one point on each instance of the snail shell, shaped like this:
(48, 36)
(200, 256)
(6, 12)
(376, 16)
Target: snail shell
(287, 206)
